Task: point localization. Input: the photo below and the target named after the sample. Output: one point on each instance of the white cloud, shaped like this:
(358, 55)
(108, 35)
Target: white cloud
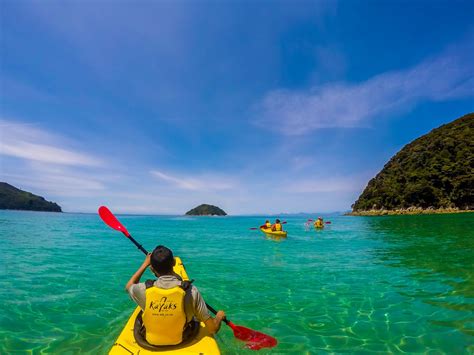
(181, 183)
(61, 183)
(42, 162)
(26, 142)
(45, 153)
(201, 183)
(447, 76)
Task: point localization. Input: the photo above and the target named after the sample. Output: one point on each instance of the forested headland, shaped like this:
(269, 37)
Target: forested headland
(12, 198)
(433, 173)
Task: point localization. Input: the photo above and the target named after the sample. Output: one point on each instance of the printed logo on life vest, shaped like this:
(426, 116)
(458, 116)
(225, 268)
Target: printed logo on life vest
(163, 305)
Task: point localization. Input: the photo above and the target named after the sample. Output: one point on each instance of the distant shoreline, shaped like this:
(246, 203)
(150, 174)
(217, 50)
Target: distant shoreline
(407, 211)
(25, 210)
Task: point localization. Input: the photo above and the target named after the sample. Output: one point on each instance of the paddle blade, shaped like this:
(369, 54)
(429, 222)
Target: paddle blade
(328, 222)
(255, 340)
(253, 228)
(110, 220)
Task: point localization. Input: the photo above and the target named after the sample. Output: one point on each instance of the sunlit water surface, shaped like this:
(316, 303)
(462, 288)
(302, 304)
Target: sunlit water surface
(364, 284)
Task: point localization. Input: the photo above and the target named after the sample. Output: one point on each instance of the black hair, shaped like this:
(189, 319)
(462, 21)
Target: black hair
(162, 260)
(277, 220)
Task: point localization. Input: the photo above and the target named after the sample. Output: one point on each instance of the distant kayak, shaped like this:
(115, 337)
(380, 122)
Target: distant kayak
(202, 343)
(319, 227)
(268, 231)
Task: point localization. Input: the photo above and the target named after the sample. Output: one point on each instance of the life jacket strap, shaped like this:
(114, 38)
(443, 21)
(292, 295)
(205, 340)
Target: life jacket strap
(149, 283)
(185, 285)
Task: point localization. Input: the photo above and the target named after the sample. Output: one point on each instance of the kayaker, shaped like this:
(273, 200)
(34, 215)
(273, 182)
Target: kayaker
(266, 225)
(319, 223)
(168, 303)
(277, 226)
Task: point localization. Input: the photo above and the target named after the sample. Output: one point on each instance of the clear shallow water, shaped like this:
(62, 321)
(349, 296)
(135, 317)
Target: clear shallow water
(365, 284)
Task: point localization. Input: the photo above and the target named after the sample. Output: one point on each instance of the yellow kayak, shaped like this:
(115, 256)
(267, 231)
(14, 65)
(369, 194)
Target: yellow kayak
(203, 343)
(268, 231)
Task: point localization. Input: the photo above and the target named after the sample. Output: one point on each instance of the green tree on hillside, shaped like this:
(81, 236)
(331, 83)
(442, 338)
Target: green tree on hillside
(435, 170)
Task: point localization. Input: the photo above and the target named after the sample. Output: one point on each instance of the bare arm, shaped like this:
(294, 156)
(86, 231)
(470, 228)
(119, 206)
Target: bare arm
(214, 324)
(138, 274)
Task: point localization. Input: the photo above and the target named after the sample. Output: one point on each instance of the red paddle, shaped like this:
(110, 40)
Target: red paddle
(114, 223)
(255, 340)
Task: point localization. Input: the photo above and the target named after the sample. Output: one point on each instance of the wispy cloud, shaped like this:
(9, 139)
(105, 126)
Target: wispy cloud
(58, 182)
(447, 76)
(27, 142)
(179, 182)
(44, 163)
(201, 183)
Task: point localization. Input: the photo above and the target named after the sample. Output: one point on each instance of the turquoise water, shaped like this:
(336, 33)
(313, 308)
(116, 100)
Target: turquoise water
(365, 284)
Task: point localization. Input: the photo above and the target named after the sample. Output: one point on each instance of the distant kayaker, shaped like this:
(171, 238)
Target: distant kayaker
(277, 226)
(319, 223)
(169, 304)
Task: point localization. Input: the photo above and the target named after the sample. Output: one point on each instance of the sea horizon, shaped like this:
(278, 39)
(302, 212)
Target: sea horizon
(178, 215)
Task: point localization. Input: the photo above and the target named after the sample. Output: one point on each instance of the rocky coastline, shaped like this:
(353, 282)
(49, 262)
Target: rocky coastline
(408, 211)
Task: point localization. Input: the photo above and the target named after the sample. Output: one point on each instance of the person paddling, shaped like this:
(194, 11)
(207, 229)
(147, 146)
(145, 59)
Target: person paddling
(169, 304)
(266, 225)
(319, 223)
(277, 226)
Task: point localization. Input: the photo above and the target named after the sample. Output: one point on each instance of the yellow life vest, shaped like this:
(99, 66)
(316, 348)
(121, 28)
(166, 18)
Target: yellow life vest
(268, 225)
(278, 227)
(164, 317)
(318, 224)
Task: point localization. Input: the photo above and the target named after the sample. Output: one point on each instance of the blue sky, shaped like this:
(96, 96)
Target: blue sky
(257, 107)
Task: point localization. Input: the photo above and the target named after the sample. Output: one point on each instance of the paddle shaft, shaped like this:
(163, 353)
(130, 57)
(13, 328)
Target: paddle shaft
(215, 312)
(138, 245)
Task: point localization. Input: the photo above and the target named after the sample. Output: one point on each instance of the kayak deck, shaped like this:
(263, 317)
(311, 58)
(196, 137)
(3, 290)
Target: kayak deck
(203, 343)
(268, 231)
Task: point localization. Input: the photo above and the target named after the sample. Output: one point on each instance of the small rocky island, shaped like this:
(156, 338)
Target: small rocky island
(432, 174)
(12, 198)
(206, 210)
